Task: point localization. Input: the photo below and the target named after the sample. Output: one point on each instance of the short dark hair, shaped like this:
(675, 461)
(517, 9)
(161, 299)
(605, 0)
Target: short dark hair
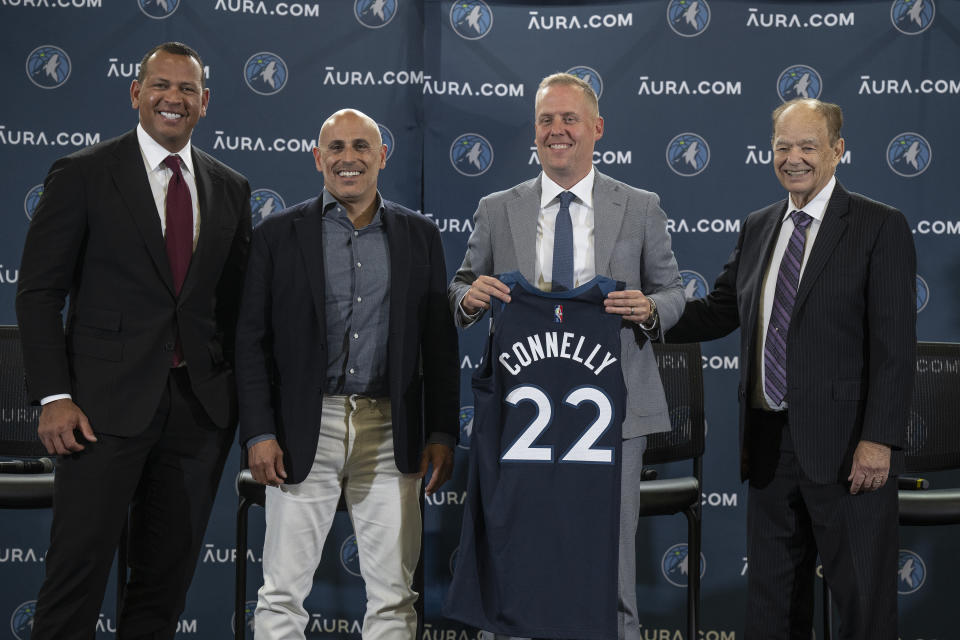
(830, 112)
(177, 49)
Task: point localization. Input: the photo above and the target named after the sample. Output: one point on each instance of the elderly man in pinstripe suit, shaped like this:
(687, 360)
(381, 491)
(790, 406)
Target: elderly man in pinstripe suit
(822, 285)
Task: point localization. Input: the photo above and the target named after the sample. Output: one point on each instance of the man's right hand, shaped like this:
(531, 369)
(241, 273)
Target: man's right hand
(480, 292)
(266, 463)
(58, 421)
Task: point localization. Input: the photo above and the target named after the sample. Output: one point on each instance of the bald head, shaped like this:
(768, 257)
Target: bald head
(347, 115)
(350, 155)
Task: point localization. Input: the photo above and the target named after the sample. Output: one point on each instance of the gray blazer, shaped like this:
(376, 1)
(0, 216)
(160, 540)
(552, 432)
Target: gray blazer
(631, 245)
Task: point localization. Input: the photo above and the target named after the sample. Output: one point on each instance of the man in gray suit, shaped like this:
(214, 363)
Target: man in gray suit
(617, 231)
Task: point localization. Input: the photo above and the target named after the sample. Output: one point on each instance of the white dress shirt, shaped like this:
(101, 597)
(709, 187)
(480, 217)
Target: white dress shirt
(159, 175)
(581, 215)
(816, 209)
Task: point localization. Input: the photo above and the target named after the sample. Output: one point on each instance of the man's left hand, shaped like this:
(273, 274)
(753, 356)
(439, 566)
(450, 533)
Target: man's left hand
(871, 467)
(440, 457)
(631, 304)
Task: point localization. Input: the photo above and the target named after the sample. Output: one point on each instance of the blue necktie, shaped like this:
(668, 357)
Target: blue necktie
(563, 245)
(784, 297)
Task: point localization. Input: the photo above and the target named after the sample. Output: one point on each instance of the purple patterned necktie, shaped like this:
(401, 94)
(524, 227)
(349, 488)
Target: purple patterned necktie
(788, 278)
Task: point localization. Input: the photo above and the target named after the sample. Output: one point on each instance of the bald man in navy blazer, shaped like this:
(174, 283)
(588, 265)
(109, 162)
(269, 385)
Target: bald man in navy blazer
(821, 435)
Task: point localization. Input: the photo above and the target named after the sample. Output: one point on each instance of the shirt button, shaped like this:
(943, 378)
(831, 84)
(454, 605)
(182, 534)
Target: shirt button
(356, 335)
(352, 370)
(356, 233)
(359, 298)
(359, 265)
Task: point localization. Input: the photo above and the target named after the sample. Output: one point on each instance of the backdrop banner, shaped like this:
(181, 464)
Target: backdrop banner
(686, 89)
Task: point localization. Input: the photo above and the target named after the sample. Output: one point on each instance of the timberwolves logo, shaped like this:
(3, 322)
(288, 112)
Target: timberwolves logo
(249, 607)
(48, 66)
(923, 294)
(471, 19)
(350, 556)
(688, 18)
(263, 203)
(471, 154)
(386, 136)
(21, 622)
(799, 81)
(31, 201)
(694, 285)
(674, 565)
(912, 572)
(688, 154)
(374, 14)
(590, 76)
(909, 154)
(265, 73)
(466, 426)
(158, 9)
(912, 16)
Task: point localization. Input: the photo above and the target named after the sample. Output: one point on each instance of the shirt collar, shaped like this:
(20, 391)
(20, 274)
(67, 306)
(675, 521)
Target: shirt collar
(328, 202)
(549, 190)
(155, 153)
(817, 207)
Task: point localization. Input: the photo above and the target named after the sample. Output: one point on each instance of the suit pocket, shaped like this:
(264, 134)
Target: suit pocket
(102, 319)
(95, 347)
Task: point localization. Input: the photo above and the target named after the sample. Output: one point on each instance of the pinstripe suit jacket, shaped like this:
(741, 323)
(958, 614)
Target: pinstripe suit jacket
(852, 339)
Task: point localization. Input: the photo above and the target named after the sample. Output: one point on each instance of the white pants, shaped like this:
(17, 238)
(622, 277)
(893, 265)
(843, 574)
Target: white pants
(355, 452)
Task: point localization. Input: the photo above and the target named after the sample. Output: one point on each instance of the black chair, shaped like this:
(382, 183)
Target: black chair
(18, 439)
(682, 374)
(933, 444)
(18, 432)
(250, 492)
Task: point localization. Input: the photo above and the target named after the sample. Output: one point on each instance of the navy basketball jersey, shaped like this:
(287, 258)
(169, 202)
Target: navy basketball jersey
(538, 547)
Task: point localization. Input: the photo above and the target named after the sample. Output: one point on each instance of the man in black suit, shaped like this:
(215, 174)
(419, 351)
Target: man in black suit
(149, 237)
(348, 378)
(825, 387)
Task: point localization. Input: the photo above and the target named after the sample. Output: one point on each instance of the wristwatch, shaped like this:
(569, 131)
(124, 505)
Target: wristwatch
(652, 319)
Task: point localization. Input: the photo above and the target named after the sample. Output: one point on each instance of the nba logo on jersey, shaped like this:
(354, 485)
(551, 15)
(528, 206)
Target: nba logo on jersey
(558, 314)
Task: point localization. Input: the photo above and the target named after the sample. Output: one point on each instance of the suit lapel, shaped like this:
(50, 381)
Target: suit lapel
(309, 232)
(768, 231)
(209, 193)
(522, 215)
(608, 212)
(130, 180)
(398, 242)
(831, 230)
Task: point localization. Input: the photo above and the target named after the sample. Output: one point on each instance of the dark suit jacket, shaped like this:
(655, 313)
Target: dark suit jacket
(281, 336)
(852, 338)
(96, 237)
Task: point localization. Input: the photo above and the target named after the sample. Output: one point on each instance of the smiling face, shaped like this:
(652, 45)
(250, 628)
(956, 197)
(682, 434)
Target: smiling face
(803, 156)
(171, 98)
(566, 131)
(350, 155)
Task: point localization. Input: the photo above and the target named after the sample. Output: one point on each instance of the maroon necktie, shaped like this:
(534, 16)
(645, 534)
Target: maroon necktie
(179, 238)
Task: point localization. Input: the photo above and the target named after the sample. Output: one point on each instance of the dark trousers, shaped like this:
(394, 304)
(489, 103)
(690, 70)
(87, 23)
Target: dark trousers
(790, 520)
(166, 479)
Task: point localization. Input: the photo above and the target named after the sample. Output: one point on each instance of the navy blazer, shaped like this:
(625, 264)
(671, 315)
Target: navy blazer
(852, 339)
(281, 336)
